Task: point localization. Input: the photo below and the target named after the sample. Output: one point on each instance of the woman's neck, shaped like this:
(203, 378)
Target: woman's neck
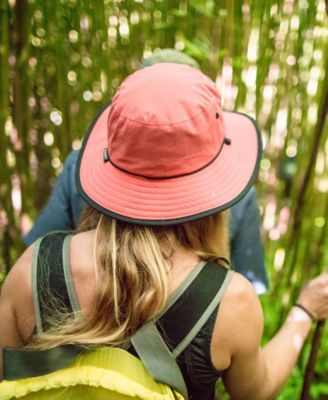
(183, 261)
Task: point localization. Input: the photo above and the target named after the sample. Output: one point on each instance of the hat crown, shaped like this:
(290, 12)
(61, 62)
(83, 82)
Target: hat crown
(165, 121)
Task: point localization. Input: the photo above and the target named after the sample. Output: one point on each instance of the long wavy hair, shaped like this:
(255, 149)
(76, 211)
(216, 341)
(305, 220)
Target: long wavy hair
(132, 265)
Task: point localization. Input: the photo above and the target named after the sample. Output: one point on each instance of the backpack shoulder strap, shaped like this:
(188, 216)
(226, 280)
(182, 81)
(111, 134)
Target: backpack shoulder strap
(180, 324)
(182, 321)
(51, 280)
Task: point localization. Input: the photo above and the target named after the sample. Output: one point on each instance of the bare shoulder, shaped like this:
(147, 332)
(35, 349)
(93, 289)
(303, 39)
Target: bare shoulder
(240, 290)
(16, 293)
(239, 322)
(19, 276)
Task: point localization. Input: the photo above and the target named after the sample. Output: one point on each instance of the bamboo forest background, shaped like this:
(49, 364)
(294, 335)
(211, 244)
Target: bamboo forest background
(61, 60)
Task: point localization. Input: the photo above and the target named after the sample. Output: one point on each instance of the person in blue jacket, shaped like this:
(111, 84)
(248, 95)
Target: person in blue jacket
(63, 209)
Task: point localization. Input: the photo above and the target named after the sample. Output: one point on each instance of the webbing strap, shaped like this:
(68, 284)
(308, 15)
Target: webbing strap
(183, 287)
(157, 358)
(180, 319)
(22, 363)
(37, 311)
(205, 316)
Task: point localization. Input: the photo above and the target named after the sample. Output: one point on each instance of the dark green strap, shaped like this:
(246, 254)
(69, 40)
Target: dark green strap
(34, 278)
(204, 317)
(22, 363)
(180, 319)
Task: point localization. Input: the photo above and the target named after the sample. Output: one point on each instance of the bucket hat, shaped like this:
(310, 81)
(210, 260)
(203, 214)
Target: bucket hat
(164, 152)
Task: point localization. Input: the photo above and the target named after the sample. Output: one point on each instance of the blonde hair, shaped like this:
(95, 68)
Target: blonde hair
(133, 262)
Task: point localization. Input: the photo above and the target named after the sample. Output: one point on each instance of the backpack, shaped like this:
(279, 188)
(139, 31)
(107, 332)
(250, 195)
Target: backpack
(74, 372)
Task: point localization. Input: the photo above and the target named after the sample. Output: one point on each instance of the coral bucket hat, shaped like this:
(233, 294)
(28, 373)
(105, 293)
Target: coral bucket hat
(164, 152)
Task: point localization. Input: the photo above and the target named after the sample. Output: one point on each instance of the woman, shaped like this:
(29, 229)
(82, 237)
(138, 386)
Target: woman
(157, 183)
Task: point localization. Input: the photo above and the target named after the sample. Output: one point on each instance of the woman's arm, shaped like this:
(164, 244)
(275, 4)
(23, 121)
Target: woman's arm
(16, 298)
(256, 372)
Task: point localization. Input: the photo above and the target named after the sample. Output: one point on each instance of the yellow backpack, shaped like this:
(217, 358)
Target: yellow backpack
(103, 373)
(75, 372)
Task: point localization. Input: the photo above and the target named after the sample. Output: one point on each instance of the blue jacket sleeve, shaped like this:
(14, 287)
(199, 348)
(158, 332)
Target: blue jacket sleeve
(63, 208)
(246, 244)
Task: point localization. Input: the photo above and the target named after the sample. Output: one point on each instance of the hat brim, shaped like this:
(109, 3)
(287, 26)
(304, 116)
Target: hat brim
(139, 200)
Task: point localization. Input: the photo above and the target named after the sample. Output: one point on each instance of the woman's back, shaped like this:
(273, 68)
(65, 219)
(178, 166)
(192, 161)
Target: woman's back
(200, 375)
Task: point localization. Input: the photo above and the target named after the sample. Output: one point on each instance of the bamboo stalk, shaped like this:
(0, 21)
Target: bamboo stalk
(21, 87)
(309, 372)
(5, 237)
